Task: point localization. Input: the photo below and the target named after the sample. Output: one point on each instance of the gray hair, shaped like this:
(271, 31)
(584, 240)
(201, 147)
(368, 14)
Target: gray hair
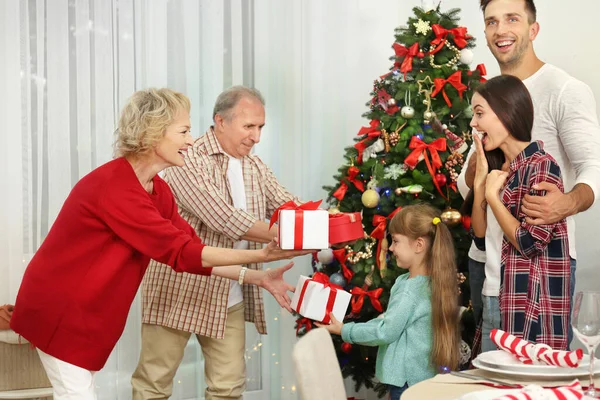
(229, 98)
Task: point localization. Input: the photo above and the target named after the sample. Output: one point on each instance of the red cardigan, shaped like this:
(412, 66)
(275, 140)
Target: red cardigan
(78, 288)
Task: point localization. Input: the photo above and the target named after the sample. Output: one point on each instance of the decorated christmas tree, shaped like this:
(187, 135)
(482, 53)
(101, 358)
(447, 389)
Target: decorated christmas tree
(411, 151)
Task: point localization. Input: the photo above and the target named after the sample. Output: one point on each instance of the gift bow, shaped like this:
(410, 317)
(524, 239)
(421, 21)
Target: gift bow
(341, 256)
(303, 322)
(530, 353)
(358, 299)
(480, 68)
(371, 132)
(333, 288)
(290, 205)
(573, 391)
(420, 147)
(352, 173)
(454, 80)
(441, 34)
(409, 53)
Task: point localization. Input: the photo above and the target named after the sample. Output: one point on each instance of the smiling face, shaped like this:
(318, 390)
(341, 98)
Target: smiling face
(486, 122)
(406, 250)
(177, 138)
(509, 32)
(238, 133)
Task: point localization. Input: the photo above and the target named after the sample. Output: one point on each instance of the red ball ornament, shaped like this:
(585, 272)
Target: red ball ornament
(440, 179)
(346, 347)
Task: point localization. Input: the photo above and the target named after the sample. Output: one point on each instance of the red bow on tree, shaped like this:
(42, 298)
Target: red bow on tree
(454, 80)
(380, 224)
(441, 34)
(352, 174)
(358, 299)
(420, 147)
(303, 322)
(341, 256)
(481, 70)
(408, 54)
(372, 133)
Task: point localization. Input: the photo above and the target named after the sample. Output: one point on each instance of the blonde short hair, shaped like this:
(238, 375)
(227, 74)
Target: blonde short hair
(144, 119)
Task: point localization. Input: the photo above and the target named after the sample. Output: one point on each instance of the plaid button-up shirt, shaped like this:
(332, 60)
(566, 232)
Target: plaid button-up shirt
(195, 303)
(535, 294)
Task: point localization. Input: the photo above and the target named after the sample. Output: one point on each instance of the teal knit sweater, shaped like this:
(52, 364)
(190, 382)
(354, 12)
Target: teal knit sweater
(404, 334)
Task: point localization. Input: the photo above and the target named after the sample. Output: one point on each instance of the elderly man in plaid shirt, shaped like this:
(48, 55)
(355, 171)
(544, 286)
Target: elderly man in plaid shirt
(226, 193)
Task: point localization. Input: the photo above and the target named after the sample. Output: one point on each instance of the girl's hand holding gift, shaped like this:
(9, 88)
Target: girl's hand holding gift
(334, 326)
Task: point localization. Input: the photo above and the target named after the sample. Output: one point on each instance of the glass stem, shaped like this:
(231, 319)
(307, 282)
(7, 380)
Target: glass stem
(591, 389)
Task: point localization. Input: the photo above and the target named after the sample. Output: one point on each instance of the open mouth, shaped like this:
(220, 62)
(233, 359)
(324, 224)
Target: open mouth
(484, 138)
(504, 44)
(181, 153)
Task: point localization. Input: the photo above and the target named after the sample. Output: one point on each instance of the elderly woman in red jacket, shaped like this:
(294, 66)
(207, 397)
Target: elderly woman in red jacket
(77, 290)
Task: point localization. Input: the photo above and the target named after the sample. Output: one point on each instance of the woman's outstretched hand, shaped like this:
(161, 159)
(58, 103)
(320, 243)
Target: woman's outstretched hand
(273, 282)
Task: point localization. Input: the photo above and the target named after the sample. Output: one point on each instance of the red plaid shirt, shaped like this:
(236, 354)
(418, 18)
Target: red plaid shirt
(535, 294)
(195, 303)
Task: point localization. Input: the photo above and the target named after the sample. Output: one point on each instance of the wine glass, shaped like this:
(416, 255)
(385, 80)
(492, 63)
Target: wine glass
(586, 326)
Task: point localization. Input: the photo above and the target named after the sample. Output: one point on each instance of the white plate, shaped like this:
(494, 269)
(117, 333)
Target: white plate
(495, 393)
(500, 359)
(552, 372)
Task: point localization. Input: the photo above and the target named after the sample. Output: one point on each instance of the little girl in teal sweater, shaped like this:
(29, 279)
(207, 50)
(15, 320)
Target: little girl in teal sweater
(419, 332)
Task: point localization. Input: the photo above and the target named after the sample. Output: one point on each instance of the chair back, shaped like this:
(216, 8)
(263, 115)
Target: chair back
(318, 372)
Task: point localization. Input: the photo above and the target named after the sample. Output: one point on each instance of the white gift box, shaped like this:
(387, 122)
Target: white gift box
(312, 234)
(315, 298)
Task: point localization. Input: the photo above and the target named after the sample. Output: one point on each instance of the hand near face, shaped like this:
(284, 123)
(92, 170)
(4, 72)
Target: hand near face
(334, 325)
(481, 168)
(494, 183)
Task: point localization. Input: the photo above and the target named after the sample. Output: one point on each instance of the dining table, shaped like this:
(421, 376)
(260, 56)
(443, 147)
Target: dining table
(451, 387)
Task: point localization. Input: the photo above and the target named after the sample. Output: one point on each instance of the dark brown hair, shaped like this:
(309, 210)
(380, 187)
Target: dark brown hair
(510, 100)
(416, 221)
(529, 7)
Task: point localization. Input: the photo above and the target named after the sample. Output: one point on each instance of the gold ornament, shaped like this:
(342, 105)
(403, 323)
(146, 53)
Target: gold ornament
(450, 62)
(451, 217)
(353, 257)
(467, 136)
(394, 138)
(386, 140)
(334, 210)
(370, 198)
(398, 191)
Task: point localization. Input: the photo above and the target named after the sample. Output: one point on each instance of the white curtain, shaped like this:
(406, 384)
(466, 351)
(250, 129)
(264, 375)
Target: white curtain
(68, 66)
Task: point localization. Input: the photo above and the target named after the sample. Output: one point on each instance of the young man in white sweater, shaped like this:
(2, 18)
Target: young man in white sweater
(565, 120)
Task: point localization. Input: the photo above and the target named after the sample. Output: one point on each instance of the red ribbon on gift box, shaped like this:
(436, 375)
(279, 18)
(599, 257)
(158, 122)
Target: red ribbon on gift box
(323, 279)
(358, 299)
(299, 218)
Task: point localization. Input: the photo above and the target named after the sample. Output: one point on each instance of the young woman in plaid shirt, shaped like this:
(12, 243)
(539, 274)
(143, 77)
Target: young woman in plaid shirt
(534, 294)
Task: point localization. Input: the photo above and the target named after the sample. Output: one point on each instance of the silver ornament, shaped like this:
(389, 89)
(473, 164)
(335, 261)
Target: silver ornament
(338, 279)
(325, 256)
(407, 112)
(392, 102)
(429, 115)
